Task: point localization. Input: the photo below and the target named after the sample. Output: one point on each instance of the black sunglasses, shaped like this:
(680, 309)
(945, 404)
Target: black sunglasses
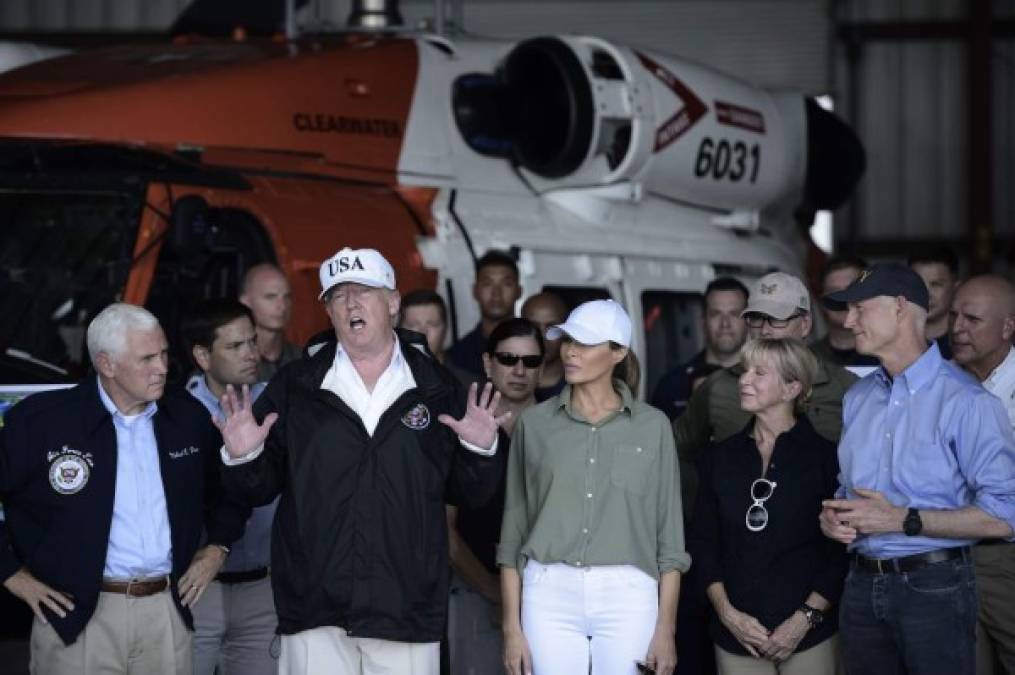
(509, 360)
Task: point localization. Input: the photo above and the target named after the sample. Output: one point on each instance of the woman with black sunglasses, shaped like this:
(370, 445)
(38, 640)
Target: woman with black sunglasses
(512, 360)
(591, 548)
(771, 576)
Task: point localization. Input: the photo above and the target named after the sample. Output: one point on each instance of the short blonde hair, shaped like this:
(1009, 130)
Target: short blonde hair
(792, 359)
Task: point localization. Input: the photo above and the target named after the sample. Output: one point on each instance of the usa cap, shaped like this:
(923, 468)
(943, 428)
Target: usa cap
(363, 266)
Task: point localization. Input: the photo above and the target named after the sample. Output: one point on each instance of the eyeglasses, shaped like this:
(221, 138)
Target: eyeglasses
(509, 360)
(759, 320)
(757, 514)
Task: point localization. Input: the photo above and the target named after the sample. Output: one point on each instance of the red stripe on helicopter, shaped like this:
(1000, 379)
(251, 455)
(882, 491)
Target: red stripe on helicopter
(685, 118)
(738, 116)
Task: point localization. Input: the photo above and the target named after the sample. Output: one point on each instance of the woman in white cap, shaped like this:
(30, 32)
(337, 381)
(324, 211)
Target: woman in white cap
(592, 542)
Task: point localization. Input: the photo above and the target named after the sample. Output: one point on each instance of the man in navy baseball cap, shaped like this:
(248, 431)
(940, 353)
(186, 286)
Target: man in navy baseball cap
(891, 279)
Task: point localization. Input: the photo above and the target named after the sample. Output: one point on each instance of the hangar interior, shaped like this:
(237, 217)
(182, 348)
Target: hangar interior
(927, 84)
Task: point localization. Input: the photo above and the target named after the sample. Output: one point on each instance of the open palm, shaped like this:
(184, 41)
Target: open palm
(241, 434)
(479, 424)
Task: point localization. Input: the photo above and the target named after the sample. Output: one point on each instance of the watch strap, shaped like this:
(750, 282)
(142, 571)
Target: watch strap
(813, 615)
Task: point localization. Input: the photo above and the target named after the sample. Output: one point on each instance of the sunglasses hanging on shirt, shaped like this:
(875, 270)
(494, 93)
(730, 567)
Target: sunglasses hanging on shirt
(757, 514)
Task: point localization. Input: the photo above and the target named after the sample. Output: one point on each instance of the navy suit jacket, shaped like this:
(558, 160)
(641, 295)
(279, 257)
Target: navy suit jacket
(58, 482)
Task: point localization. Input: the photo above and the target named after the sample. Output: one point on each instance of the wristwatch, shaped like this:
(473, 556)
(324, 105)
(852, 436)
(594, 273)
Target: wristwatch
(912, 525)
(813, 615)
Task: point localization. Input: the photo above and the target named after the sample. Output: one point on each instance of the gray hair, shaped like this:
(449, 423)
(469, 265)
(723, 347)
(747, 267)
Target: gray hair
(108, 330)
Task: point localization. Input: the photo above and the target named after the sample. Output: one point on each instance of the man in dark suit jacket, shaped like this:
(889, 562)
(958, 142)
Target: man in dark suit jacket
(103, 488)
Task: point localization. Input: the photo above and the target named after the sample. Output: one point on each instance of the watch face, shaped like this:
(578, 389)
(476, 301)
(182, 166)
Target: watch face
(912, 525)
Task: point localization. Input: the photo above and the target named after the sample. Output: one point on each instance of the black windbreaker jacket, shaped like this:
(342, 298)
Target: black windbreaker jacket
(360, 536)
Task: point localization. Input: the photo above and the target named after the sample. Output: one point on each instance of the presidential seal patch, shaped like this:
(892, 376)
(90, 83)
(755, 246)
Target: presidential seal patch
(68, 474)
(417, 418)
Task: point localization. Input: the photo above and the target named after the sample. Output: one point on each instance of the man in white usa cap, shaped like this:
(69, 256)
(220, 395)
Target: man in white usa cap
(361, 440)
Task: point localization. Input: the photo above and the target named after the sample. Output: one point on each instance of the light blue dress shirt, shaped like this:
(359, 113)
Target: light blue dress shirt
(140, 544)
(932, 438)
(253, 550)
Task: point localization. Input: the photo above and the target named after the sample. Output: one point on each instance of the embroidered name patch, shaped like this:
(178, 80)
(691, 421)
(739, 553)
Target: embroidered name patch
(68, 473)
(418, 418)
(186, 452)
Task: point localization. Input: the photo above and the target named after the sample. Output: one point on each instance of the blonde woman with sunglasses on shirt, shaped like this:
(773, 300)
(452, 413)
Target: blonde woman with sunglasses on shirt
(771, 577)
(591, 547)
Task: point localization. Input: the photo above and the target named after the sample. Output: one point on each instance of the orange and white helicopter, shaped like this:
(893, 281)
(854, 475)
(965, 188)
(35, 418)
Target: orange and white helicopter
(157, 174)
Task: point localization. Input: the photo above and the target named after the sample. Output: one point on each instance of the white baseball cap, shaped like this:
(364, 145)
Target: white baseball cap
(358, 266)
(595, 322)
(778, 295)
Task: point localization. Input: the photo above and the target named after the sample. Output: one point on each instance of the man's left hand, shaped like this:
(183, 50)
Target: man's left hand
(479, 424)
(870, 514)
(206, 564)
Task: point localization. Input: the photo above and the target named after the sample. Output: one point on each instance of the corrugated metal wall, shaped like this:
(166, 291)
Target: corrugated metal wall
(912, 111)
(783, 43)
(776, 43)
(83, 15)
(1004, 136)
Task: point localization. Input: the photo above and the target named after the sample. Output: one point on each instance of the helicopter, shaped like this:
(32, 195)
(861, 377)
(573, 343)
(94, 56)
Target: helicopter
(157, 174)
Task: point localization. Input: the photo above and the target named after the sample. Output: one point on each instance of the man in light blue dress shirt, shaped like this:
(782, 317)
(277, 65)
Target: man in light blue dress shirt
(234, 624)
(928, 469)
(104, 495)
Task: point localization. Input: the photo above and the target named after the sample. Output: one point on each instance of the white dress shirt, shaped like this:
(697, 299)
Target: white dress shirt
(140, 544)
(1001, 383)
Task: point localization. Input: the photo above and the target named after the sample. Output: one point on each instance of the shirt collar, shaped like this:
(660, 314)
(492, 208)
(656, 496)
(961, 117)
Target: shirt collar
(107, 402)
(920, 372)
(197, 385)
(1003, 368)
(398, 361)
(626, 400)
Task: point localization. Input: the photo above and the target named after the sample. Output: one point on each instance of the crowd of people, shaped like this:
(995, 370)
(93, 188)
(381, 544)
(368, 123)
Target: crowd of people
(373, 502)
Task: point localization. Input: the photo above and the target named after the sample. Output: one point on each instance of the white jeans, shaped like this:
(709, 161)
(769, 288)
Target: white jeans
(573, 616)
(327, 650)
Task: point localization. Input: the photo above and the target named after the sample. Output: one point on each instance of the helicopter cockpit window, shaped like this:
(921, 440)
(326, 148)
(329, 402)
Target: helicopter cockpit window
(673, 332)
(63, 257)
(206, 258)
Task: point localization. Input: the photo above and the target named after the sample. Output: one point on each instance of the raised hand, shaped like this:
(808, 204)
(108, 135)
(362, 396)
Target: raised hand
(241, 434)
(479, 424)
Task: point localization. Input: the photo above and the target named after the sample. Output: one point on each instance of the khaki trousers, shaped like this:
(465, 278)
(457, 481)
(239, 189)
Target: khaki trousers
(330, 651)
(995, 594)
(818, 660)
(132, 636)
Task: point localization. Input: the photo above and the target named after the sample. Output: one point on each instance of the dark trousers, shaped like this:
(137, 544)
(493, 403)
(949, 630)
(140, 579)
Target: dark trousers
(912, 623)
(695, 651)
